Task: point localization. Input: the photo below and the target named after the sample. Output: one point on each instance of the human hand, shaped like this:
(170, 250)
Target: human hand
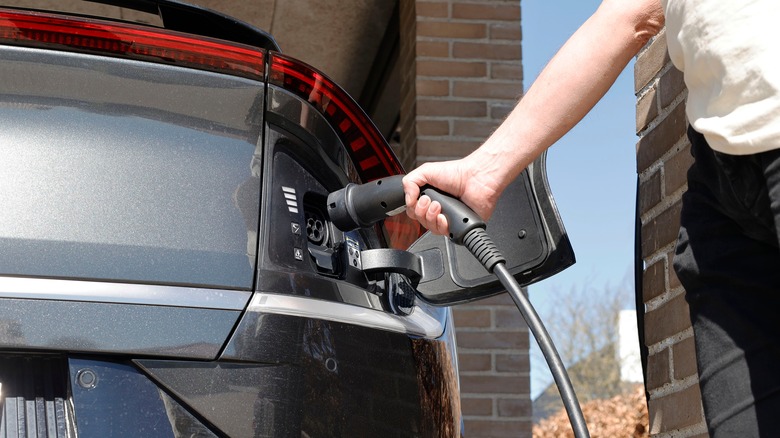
(462, 179)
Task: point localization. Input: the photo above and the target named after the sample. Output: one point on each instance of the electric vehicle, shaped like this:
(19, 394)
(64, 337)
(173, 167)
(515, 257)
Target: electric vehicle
(167, 264)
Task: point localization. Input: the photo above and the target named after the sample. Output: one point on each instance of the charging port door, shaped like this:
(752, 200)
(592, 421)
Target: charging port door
(528, 231)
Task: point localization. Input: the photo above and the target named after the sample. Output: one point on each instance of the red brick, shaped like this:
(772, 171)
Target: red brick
(650, 192)
(675, 411)
(445, 148)
(466, 317)
(433, 49)
(509, 318)
(674, 281)
(670, 85)
(493, 340)
(684, 359)
(661, 230)
(489, 90)
(650, 62)
(451, 108)
(474, 128)
(433, 87)
(477, 406)
(513, 407)
(431, 9)
(445, 29)
(505, 31)
(482, 11)
(656, 142)
(676, 170)
(646, 109)
(510, 71)
(474, 362)
(668, 320)
(654, 280)
(513, 363)
(461, 69)
(498, 429)
(494, 384)
(470, 50)
(433, 127)
(658, 373)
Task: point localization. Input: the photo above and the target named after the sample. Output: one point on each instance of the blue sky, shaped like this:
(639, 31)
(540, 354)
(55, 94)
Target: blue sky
(592, 171)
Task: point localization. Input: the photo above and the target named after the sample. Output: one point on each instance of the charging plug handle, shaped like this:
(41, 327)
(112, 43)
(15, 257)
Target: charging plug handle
(362, 205)
(460, 218)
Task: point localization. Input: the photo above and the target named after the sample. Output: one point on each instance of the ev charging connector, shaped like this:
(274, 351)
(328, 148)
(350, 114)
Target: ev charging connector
(362, 205)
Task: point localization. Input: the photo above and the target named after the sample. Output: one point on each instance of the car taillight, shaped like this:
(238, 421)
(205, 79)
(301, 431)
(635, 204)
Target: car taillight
(368, 149)
(32, 29)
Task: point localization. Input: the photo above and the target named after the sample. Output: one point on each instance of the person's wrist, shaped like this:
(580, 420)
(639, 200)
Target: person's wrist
(490, 169)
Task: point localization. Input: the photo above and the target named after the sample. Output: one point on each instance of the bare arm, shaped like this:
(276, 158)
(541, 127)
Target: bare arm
(575, 79)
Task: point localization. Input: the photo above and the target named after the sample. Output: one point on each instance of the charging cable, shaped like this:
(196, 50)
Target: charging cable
(361, 205)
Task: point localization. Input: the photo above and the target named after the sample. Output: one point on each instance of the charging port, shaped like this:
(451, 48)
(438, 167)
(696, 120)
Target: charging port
(317, 231)
(321, 247)
(316, 228)
(333, 253)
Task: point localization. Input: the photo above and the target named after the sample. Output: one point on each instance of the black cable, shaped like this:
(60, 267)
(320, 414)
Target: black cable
(554, 361)
(362, 205)
(482, 247)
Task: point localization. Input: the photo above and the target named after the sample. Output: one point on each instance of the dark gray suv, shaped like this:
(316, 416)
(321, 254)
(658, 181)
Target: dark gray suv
(167, 266)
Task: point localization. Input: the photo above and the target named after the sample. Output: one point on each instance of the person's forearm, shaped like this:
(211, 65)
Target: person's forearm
(575, 79)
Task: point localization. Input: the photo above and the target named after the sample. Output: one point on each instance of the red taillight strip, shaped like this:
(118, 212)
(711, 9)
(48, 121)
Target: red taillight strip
(129, 41)
(368, 149)
(350, 122)
(402, 231)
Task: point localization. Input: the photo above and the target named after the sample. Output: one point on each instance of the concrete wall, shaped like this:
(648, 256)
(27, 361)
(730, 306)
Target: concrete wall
(462, 74)
(663, 158)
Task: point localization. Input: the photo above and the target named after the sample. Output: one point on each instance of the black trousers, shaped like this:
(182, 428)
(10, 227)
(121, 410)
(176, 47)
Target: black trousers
(728, 260)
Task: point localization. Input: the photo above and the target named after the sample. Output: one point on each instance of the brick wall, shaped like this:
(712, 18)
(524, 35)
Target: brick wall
(493, 346)
(463, 74)
(663, 158)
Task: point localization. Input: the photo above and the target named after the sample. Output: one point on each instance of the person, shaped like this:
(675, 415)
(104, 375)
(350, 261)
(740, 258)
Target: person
(727, 256)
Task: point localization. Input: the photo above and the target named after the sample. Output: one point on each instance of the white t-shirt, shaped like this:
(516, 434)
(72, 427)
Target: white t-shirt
(730, 55)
